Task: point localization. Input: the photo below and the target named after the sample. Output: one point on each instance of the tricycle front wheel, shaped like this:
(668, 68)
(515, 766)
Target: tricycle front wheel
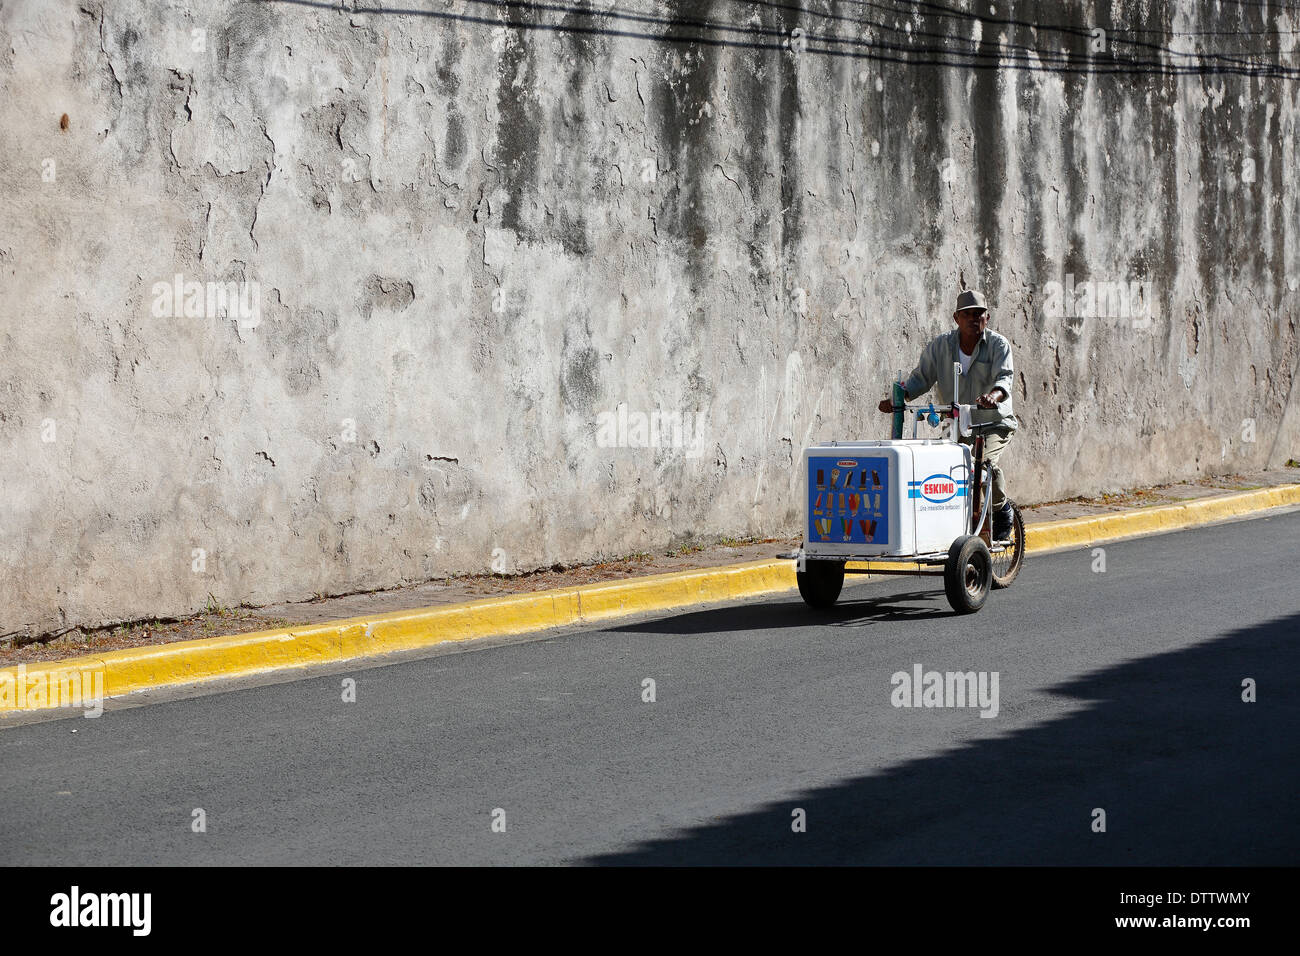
(968, 574)
(820, 583)
(1010, 554)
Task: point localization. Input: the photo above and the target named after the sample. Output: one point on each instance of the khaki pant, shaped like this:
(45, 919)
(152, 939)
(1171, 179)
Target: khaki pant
(994, 445)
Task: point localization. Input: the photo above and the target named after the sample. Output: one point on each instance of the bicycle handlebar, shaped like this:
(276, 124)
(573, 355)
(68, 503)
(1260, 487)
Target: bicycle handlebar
(943, 411)
(935, 414)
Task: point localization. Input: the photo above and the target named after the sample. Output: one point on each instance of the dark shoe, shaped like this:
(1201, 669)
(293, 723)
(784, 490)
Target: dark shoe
(1002, 521)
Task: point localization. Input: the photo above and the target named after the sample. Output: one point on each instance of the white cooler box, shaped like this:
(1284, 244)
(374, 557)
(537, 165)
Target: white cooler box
(876, 498)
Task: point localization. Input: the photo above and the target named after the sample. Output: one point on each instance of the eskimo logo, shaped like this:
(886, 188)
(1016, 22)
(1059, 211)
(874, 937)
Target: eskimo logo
(936, 488)
(103, 909)
(846, 463)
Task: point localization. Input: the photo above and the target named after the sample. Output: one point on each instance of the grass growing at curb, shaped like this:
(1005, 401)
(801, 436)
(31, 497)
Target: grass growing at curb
(213, 621)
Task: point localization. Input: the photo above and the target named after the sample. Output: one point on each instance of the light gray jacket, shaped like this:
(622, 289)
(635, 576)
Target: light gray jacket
(990, 368)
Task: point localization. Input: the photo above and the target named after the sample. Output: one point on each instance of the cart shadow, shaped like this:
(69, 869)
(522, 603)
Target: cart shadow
(1187, 772)
(909, 606)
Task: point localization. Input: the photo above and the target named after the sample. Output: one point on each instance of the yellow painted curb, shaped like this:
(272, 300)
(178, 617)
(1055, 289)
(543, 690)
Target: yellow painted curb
(44, 685)
(37, 686)
(1081, 532)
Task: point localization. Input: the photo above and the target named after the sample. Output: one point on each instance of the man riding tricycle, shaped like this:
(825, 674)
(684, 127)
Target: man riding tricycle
(922, 505)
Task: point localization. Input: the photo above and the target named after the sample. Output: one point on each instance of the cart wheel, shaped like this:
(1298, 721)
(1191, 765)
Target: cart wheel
(967, 574)
(820, 584)
(1008, 556)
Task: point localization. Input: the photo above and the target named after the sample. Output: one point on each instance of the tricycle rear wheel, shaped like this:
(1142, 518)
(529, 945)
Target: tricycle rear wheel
(820, 583)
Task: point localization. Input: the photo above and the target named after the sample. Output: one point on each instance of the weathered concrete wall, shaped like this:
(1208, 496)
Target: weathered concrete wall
(471, 243)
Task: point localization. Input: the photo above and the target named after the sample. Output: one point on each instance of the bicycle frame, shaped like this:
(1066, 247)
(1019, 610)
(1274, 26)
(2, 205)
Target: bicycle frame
(977, 505)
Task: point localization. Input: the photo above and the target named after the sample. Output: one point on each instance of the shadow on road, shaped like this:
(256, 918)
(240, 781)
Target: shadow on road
(1185, 770)
(851, 611)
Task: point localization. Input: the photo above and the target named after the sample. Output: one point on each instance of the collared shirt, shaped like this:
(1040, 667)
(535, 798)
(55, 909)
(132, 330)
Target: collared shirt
(990, 368)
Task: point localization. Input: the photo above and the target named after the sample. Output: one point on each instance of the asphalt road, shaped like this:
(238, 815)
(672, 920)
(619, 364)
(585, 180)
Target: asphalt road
(1119, 690)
